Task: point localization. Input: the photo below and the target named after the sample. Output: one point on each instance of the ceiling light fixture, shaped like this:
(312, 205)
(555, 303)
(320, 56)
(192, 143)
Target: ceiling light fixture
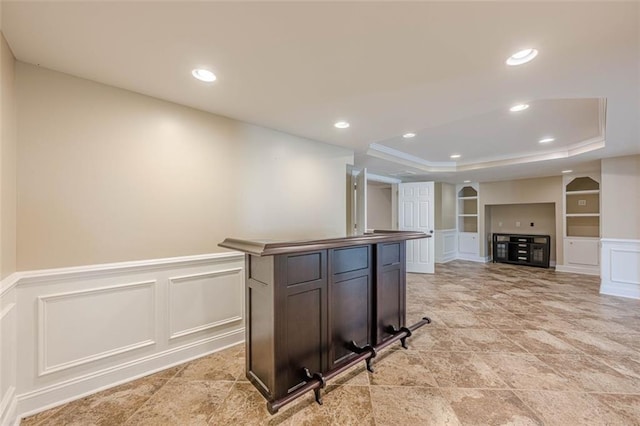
(409, 135)
(467, 181)
(546, 140)
(341, 124)
(203, 75)
(518, 108)
(454, 156)
(522, 57)
(567, 171)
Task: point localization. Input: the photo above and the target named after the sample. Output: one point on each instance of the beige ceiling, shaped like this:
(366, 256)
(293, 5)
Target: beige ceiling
(434, 68)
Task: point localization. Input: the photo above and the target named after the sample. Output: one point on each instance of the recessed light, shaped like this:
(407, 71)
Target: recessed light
(567, 171)
(454, 156)
(546, 140)
(203, 75)
(409, 135)
(341, 124)
(467, 181)
(522, 57)
(518, 108)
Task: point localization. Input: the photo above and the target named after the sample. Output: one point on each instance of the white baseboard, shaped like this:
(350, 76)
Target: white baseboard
(8, 407)
(52, 396)
(577, 270)
(620, 261)
(473, 258)
(148, 305)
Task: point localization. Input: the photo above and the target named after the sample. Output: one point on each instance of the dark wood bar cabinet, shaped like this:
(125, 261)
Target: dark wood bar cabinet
(316, 308)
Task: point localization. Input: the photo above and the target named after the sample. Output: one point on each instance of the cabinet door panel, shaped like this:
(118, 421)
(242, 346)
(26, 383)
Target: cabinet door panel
(582, 252)
(304, 335)
(350, 315)
(468, 243)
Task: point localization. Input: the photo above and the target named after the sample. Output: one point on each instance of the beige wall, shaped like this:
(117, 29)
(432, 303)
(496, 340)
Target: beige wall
(620, 192)
(504, 218)
(445, 206)
(379, 206)
(108, 175)
(523, 191)
(7, 161)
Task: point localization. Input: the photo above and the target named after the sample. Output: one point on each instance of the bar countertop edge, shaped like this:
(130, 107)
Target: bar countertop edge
(269, 248)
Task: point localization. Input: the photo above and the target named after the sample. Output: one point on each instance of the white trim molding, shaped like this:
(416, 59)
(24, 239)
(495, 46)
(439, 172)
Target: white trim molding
(620, 260)
(446, 245)
(83, 329)
(576, 270)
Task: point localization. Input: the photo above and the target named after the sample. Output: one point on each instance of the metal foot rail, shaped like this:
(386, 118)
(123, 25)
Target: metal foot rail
(317, 381)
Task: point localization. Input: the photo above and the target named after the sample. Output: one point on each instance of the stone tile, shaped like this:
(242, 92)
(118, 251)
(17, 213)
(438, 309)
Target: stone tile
(471, 407)
(631, 341)
(245, 405)
(525, 371)
(539, 341)
(39, 418)
(461, 319)
(500, 320)
(112, 406)
(570, 408)
(357, 376)
(225, 365)
(342, 405)
(626, 406)
(628, 367)
(591, 374)
(182, 401)
(487, 340)
(411, 405)
(436, 339)
(401, 368)
(593, 343)
(461, 369)
(600, 325)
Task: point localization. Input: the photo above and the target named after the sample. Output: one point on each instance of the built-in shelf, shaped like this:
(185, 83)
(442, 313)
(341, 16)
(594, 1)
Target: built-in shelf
(582, 223)
(582, 207)
(585, 192)
(467, 201)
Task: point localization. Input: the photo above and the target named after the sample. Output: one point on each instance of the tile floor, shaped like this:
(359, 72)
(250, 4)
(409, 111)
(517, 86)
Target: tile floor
(508, 345)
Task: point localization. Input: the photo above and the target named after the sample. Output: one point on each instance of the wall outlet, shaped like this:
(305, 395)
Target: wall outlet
(517, 224)
(582, 202)
(500, 224)
(531, 223)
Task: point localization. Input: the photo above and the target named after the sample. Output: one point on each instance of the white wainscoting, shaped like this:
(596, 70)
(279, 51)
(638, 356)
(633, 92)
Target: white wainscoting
(446, 245)
(81, 330)
(620, 268)
(8, 353)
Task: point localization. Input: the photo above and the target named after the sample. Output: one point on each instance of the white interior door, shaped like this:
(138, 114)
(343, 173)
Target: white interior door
(416, 213)
(361, 201)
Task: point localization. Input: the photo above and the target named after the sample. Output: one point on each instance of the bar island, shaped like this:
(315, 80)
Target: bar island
(316, 308)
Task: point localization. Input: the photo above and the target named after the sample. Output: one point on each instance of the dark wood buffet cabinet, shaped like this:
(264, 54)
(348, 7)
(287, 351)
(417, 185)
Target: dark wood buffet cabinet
(316, 308)
(522, 249)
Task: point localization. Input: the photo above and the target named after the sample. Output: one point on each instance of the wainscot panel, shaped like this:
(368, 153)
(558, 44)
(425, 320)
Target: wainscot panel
(446, 245)
(620, 268)
(8, 354)
(84, 329)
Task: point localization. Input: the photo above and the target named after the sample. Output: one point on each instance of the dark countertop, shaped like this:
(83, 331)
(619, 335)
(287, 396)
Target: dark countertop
(273, 247)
